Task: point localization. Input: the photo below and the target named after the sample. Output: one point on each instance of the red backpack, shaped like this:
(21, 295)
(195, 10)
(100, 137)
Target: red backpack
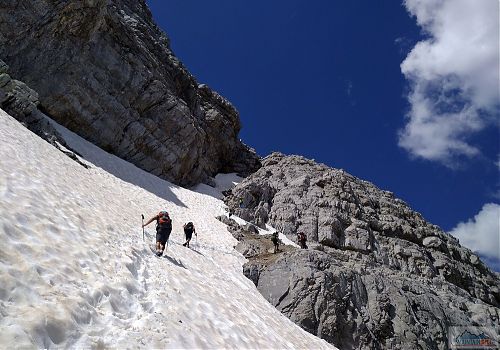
(163, 219)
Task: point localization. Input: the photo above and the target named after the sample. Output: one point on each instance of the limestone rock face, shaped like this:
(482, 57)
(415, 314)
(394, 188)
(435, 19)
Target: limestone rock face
(15, 96)
(103, 69)
(21, 102)
(378, 277)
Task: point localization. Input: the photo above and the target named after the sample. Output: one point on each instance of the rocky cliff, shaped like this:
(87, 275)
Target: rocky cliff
(376, 276)
(103, 69)
(21, 102)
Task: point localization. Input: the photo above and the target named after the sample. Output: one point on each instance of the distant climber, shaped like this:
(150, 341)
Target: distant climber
(301, 238)
(276, 242)
(188, 232)
(163, 229)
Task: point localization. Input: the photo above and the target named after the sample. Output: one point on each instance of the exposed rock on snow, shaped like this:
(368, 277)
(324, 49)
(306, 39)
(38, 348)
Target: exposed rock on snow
(105, 70)
(384, 278)
(21, 102)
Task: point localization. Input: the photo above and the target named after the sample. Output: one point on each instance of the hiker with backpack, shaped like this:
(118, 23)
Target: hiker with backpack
(188, 232)
(276, 241)
(301, 238)
(163, 229)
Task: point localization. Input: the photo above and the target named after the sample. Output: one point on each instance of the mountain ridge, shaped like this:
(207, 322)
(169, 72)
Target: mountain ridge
(375, 271)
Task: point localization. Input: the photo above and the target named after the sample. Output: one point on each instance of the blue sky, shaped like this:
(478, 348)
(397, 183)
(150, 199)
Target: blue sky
(380, 89)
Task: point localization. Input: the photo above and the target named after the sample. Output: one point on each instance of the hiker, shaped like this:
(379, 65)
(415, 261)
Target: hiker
(188, 232)
(276, 242)
(301, 238)
(163, 229)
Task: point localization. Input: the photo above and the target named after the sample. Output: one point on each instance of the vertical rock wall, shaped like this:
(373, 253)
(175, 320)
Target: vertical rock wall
(103, 69)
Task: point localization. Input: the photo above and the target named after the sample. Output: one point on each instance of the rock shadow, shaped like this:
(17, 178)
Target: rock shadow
(118, 167)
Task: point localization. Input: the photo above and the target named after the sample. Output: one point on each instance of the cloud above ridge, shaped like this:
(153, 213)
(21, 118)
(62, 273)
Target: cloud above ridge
(453, 76)
(481, 233)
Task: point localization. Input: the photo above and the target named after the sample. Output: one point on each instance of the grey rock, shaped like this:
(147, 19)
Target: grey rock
(104, 70)
(432, 242)
(385, 278)
(357, 238)
(474, 260)
(250, 228)
(4, 79)
(228, 221)
(232, 226)
(250, 247)
(4, 68)
(17, 98)
(21, 102)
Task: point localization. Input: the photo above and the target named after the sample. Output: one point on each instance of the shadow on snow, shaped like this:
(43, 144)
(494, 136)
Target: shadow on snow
(118, 167)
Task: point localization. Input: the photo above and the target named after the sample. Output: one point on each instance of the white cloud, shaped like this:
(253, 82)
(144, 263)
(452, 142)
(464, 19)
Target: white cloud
(453, 76)
(481, 234)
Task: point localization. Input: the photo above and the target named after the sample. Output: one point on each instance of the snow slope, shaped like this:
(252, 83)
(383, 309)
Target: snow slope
(75, 272)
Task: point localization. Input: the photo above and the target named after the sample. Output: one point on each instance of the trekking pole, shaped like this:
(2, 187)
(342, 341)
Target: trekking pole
(142, 215)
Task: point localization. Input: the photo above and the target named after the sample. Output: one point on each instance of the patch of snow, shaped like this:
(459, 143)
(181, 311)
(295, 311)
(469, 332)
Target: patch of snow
(76, 273)
(284, 239)
(227, 181)
(222, 182)
(267, 231)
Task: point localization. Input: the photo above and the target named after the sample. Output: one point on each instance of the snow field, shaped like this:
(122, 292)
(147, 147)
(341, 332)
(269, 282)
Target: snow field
(75, 272)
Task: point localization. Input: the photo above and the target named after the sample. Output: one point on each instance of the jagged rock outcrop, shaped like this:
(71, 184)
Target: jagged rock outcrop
(21, 102)
(250, 243)
(380, 276)
(103, 69)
